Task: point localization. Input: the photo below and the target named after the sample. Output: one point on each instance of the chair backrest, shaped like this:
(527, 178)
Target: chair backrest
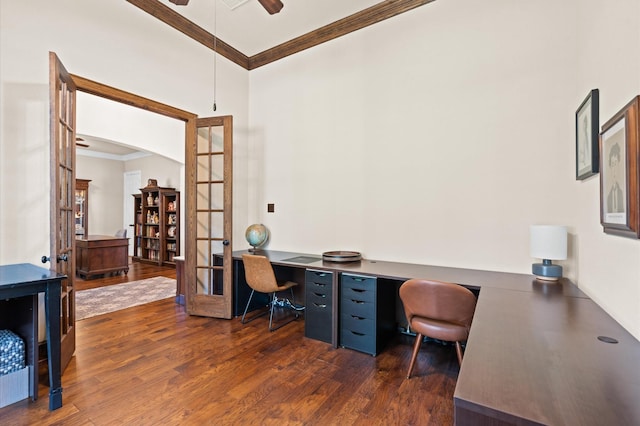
(121, 233)
(259, 273)
(438, 300)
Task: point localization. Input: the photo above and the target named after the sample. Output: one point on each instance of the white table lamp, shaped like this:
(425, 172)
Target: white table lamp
(548, 242)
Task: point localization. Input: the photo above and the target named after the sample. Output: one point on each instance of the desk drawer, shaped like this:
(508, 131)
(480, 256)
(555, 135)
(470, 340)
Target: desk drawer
(363, 342)
(358, 282)
(318, 299)
(361, 308)
(358, 324)
(318, 321)
(322, 279)
(358, 294)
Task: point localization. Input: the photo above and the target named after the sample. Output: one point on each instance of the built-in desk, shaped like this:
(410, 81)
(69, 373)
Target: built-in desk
(100, 254)
(533, 354)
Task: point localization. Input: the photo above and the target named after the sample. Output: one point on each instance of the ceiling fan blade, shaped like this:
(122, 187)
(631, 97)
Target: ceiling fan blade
(272, 6)
(180, 2)
(80, 142)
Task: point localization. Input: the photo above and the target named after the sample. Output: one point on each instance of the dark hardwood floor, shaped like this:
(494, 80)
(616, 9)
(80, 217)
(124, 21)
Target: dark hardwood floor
(155, 365)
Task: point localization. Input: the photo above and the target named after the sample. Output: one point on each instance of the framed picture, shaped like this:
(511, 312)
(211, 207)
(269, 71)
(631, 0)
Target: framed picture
(619, 174)
(587, 124)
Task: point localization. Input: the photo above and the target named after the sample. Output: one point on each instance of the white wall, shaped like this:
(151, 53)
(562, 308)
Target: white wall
(105, 193)
(440, 135)
(113, 43)
(609, 59)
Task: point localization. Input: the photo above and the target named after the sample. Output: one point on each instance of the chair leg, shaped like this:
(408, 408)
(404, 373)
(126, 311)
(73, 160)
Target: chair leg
(459, 352)
(416, 349)
(243, 321)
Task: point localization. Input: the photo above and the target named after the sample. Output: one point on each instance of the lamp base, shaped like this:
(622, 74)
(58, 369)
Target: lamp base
(547, 271)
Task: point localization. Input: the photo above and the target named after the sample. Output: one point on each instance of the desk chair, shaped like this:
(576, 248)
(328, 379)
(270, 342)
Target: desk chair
(121, 233)
(261, 278)
(438, 310)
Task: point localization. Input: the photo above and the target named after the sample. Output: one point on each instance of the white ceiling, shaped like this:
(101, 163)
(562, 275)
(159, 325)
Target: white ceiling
(251, 30)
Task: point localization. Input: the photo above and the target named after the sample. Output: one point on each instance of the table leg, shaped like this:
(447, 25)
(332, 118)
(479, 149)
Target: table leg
(52, 312)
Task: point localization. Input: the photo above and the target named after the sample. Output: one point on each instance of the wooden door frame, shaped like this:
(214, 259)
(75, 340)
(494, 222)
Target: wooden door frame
(104, 91)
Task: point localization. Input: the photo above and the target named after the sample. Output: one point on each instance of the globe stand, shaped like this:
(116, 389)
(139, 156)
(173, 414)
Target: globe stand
(255, 249)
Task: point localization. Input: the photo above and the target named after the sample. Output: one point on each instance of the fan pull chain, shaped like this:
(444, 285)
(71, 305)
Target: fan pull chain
(215, 50)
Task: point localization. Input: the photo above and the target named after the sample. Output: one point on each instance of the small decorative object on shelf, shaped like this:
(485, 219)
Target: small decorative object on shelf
(152, 182)
(149, 199)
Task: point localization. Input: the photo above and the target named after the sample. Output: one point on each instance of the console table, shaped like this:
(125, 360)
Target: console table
(99, 254)
(533, 355)
(19, 282)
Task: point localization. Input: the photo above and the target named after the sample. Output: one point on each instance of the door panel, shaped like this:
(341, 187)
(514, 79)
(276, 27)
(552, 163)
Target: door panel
(62, 98)
(209, 257)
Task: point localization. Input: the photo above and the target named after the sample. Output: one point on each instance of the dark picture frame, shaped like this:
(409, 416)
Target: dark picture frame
(587, 125)
(619, 177)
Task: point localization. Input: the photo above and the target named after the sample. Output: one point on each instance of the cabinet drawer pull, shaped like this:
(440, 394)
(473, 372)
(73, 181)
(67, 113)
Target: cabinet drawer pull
(319, 294)
(358, 290)
(320, 305)
(359, 279)
(356, 333)
(320, 274)
(319, 284)
(358, 302)
(357, 317)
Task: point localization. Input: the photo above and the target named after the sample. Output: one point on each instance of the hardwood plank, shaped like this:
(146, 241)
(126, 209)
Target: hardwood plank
(154, 364)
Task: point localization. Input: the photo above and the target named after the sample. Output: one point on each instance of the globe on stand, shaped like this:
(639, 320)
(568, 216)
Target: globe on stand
(256, 235)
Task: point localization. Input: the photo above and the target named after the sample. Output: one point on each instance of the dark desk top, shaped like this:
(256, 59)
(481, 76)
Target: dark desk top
(472, 278)
(533, 354)
(25, 273)
(537, 356)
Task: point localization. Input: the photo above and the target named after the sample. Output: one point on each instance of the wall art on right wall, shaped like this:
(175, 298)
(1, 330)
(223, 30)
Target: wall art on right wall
(619, 173)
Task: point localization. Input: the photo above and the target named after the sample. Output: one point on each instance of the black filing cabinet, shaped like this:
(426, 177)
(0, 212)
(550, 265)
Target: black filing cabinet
(318, 305)
(366, 316)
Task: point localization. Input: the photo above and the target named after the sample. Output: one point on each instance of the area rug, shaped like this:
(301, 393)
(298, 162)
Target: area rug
(101, 300)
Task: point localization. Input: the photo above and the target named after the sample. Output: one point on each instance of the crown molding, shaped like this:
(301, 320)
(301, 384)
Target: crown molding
(372, 15)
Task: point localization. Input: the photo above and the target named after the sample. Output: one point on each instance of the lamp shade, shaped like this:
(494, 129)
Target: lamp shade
(548, 242)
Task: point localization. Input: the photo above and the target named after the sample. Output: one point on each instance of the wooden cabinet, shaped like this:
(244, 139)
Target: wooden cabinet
(157, 225)
(82, 207)
(318, 305)
(100, 254)
(366, 317)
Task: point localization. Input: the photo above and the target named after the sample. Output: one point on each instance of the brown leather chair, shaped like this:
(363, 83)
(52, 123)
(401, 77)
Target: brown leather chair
(438, 310)
(261, 278)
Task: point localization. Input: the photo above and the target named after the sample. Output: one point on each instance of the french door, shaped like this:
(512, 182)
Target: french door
(208, 157)
(209, 182)
(62, 129)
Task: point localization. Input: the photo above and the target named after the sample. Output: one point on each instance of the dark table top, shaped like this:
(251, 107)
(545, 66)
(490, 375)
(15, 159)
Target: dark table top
(25, 273)
(472, 278)
(537, 356)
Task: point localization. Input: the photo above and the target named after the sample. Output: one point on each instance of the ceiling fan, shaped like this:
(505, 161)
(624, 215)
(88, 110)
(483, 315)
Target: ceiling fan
(272, 6)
